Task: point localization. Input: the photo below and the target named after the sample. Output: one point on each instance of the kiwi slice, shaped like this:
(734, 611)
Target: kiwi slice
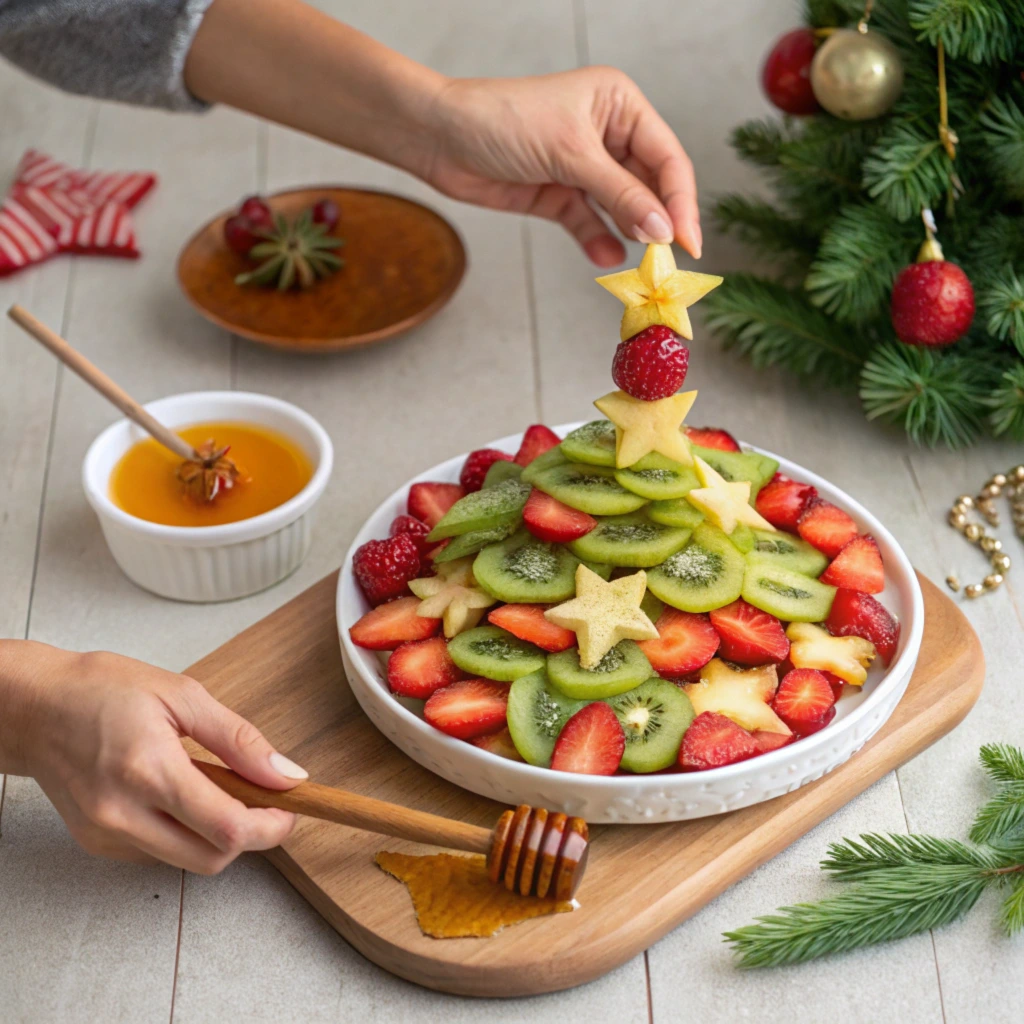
(675, 512)
(495, 654)
(622, 668)
(631, 541)
(658, 478)
(483, 510)
(592, 444)
(547, 460)
(704, 575)
(790, 596)
(742, 538)
(652, 606)
(501, 471)
(536, 713)
(653, 717)
(758, 469)
(591, 489)
(525, 570)
(787, 552)
(471, 543)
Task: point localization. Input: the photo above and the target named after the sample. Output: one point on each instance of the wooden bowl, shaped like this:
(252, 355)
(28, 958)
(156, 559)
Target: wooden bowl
(403, 262)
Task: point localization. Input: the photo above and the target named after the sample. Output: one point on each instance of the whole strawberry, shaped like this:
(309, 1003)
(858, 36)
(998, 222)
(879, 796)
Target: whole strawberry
(383, 568)
(651, 364)
(474, 469)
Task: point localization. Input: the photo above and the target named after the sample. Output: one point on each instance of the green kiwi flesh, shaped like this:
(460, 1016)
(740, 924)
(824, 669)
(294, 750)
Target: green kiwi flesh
(525, 570)
(495, 654)
(488, 509)
(790, 596)
(592, 444)
(658, 478)
(630, 541)
(591, 489)
(622, 668)
(501, 471)
(653, 716)
(706, 574)
(546, 460)
(536, 713)
(787, 552)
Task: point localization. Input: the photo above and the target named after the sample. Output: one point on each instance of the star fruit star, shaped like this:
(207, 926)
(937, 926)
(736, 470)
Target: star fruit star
(725, 504)
(452, 595)
(657, 292)
(646, 427)
(601, 614)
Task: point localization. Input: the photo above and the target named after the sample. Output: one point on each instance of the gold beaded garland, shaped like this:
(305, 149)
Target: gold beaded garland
(972, 531)
(973, 590)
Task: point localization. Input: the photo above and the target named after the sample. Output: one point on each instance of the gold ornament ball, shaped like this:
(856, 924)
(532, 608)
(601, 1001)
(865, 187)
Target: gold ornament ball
(992, 581)
(1001, 563)
(990, 544)
(974, 590)
(973, 532)
(966, 500)
(1018, 473)
(857, 75)
(999, 480)
(990, 491)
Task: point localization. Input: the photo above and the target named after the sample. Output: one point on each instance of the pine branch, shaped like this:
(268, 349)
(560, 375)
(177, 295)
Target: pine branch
(1012, 914)
(1007, 404)
(850, 860)
(1002, 129)
(998, 241)
(1002, 814)
(907, 169)
(765, 229)
(1001, 306)
(938, 398)
(1002, 763)
(759, 142)
(977, 30)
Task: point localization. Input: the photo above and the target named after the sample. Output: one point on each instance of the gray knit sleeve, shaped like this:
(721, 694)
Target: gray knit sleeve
(128, 50)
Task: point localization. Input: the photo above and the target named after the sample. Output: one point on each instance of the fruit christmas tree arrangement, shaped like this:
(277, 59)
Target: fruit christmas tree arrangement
(638, 596)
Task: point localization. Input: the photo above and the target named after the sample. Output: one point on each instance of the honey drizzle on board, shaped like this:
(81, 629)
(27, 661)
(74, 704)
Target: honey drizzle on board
(273, 469)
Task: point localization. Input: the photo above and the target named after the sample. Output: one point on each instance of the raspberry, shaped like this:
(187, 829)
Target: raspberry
(415, 528)
(476, 465)
(651, 364)
(383, 568)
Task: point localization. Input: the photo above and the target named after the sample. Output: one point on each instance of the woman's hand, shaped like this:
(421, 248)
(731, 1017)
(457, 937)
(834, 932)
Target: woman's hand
(102, 735)
(546, 145)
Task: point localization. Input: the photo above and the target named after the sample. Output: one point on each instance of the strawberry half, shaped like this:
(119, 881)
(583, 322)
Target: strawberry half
(419, 667)
(527, 622)
(837, 684)
(383, 568)
(429, 501)
(749, 635)
(857, 567)
(414, 527)
(591, 742)
(713, 437)
(825, 526)
(686, 642)
(782, 501)
(803, 699)
(713, 741)
(547, 518)
(767, 741)
(536, 441)
(468, 708)
(474, 469)
(855, 614)
(499, 743)
(390, 625)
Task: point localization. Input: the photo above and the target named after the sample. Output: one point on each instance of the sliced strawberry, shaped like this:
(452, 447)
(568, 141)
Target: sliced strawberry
(591, 742)
(499, 743)
(390, 625)
(419, 667)
(855, 614)
(825, 526)
(713, 741)
(527, 622)
(547, 518)
(782, 501)
(713, 437)
(686, 642)
(835, 682)
(857, 567)
(536, 441)
(803, 699)
(468, 708)
(414, 527)
(749, 635)
(767, 741)
(474, 469)
(429, 500)
(383, 568)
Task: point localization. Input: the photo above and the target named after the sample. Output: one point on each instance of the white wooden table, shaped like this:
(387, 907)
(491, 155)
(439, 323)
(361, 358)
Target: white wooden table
(82, 940)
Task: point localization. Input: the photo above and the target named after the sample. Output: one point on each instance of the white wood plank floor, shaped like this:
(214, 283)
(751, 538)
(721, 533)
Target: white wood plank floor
(82, 940)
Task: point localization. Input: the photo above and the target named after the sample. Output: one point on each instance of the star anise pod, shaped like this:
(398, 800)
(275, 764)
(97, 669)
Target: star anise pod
(295, 253)
(204, 478)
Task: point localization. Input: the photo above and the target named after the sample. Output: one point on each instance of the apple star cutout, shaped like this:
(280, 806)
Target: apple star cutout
(725, 504)
(452, 595)
(601, 614)
(845, 656)
(740, 694)
(657, 292)
(645, 427)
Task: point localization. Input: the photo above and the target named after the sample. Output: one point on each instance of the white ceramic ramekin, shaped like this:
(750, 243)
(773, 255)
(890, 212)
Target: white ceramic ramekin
(638, 799)
(210, 563)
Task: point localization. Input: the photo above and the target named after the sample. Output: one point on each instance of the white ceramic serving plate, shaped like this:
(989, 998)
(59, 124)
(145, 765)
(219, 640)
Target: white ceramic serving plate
(210, 563)
(637, 799)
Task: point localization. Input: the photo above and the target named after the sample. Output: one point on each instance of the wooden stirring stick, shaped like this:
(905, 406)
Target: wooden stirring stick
(528, 851)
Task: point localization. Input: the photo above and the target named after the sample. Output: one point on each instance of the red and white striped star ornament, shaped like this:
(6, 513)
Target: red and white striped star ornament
(52, 208)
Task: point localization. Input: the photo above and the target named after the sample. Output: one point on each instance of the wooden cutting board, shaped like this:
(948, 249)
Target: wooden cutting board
(285, 675)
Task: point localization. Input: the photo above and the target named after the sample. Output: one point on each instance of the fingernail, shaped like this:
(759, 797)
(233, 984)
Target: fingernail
(654, 228)
(698, 237)
(286, 767)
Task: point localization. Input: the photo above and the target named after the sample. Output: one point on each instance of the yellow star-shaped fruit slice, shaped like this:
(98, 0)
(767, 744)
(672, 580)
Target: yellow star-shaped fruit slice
(657, 293)
(601, 614)
(725, 504)
(452, 595)
(740, 694)
(845, 656)
(645, 427)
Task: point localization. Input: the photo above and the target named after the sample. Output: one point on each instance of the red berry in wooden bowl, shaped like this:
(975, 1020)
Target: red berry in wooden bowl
(258, 212)
(326, 212)
(240, 234)
(651, 364)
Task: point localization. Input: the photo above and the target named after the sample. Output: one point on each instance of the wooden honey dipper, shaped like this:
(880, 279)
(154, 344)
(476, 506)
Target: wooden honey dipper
(529, 851)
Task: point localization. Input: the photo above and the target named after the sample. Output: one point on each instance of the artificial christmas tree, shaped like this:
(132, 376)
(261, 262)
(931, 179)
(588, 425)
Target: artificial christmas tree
(847, 219)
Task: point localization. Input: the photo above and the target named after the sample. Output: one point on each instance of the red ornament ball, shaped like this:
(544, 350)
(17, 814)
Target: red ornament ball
(651, 364)
(932, 303)
(786, 75)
